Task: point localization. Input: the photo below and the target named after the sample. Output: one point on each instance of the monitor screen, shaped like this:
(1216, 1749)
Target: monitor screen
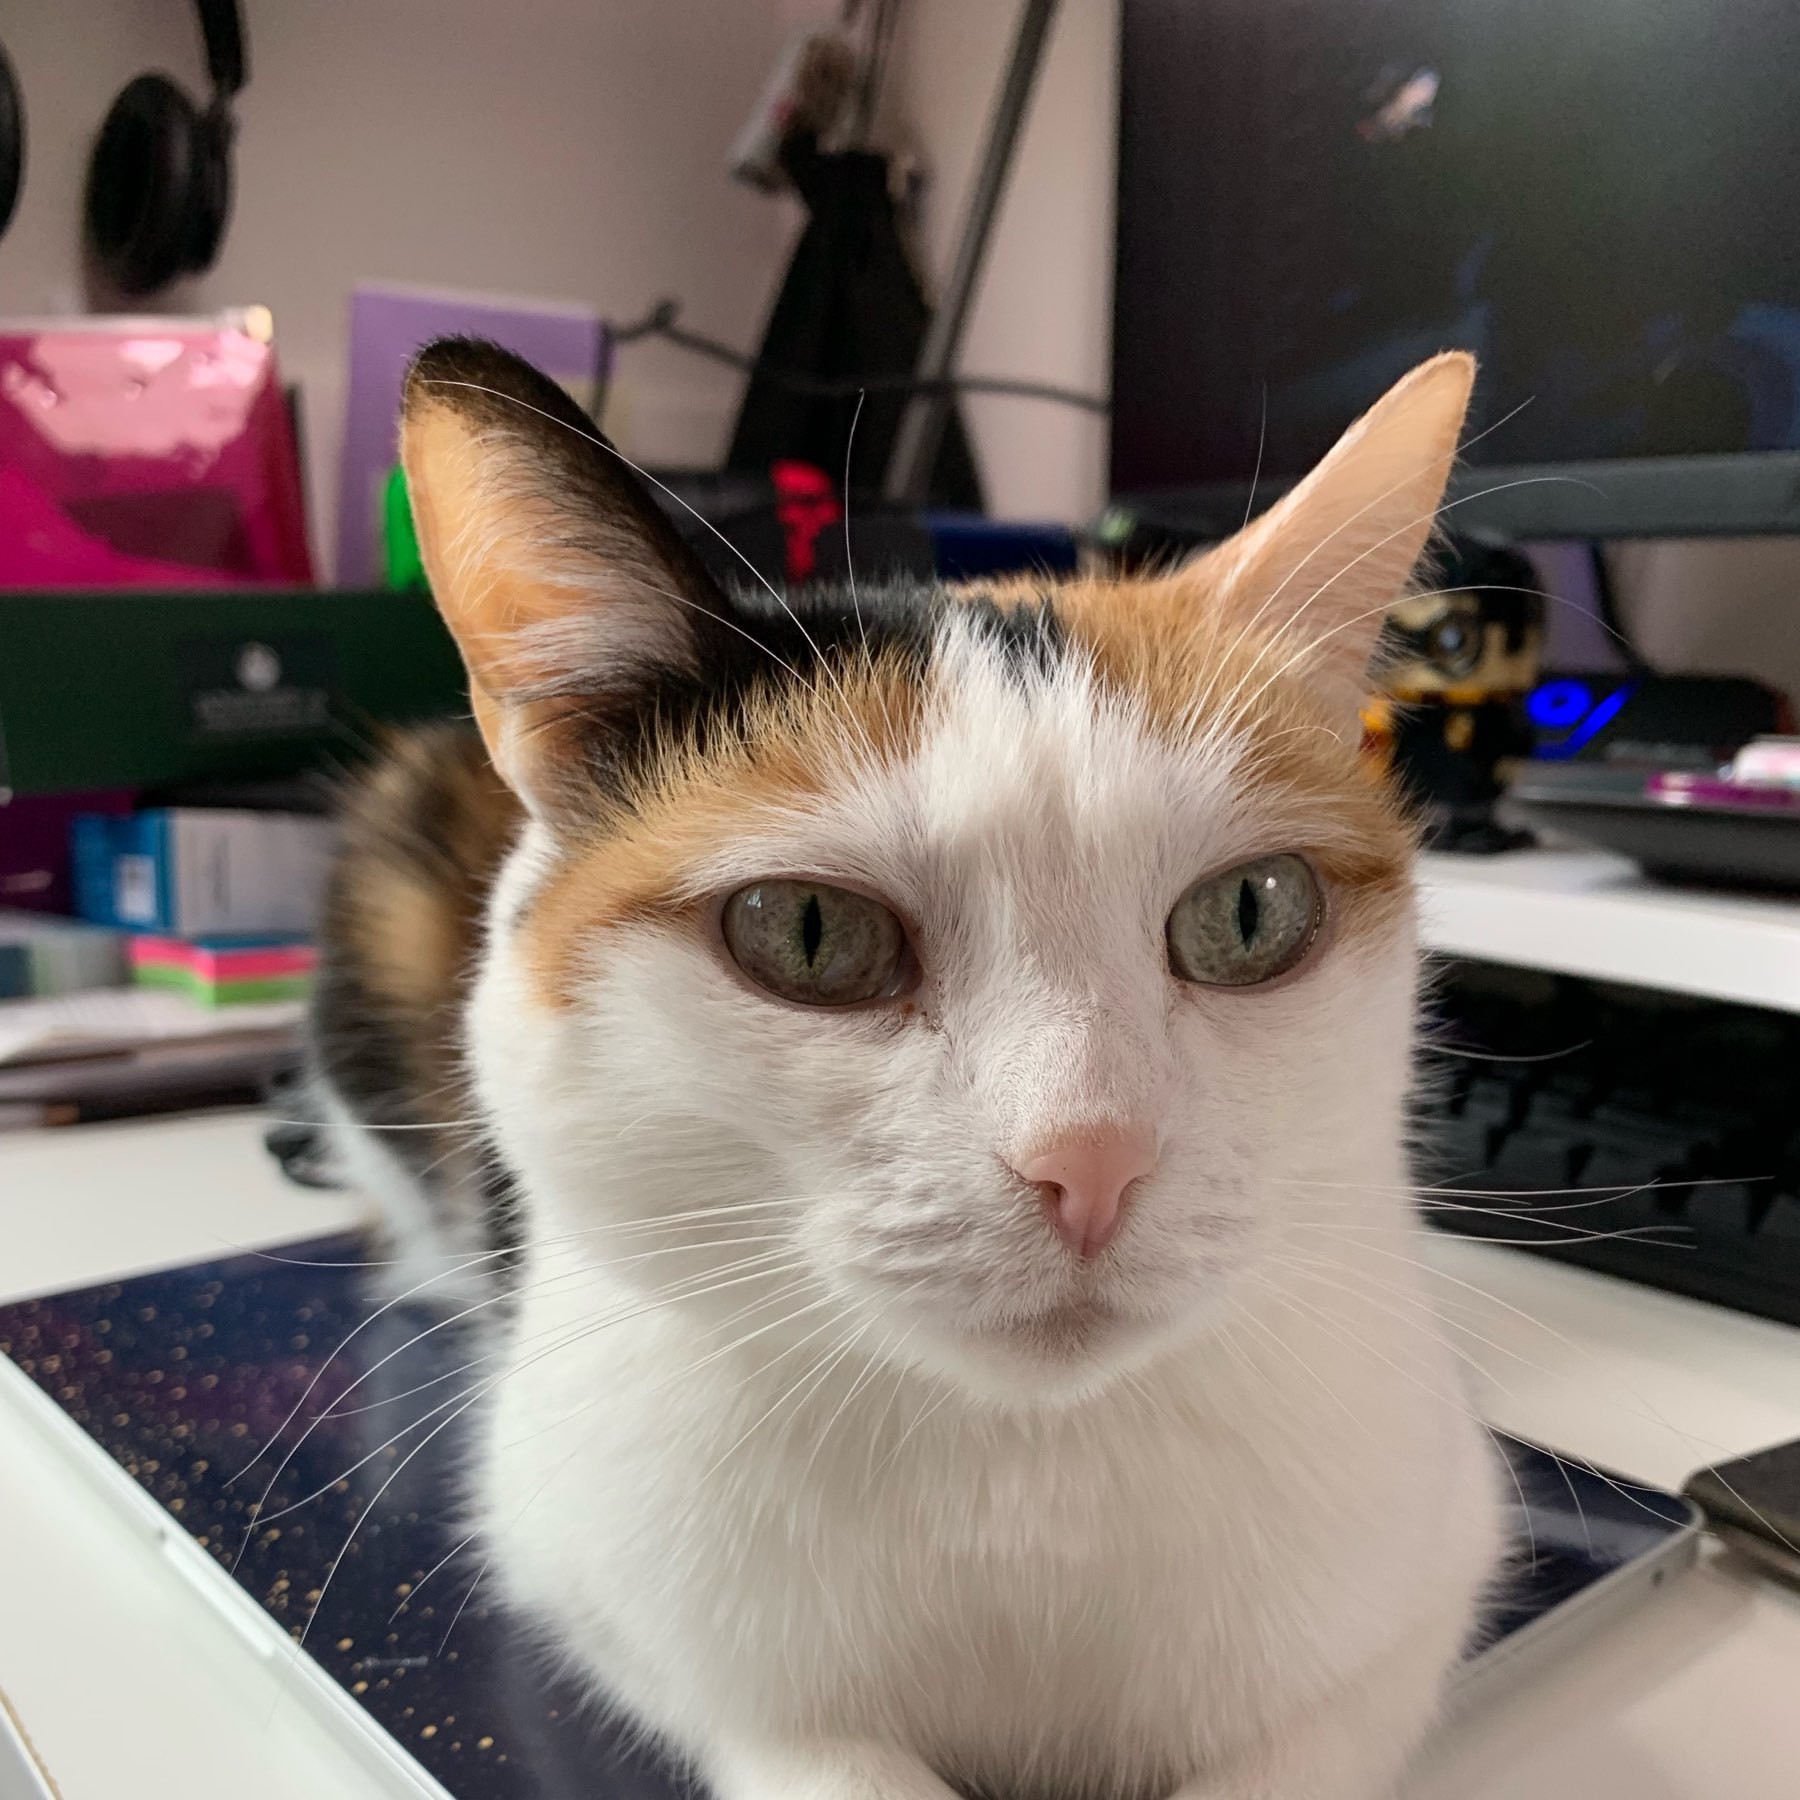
(1601, 198)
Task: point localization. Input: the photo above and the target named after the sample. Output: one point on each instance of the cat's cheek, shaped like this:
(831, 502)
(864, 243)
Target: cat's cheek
(521, 1052)
(672, 1035)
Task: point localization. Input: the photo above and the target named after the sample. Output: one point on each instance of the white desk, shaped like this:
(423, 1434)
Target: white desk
(1584, 912)
(131, 1684)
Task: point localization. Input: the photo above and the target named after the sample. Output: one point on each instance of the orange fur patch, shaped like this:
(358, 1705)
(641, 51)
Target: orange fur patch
(425, 829)
(636, 862)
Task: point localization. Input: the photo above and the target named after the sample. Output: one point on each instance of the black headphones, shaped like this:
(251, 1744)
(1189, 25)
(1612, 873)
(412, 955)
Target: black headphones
(12, 141)
(159, 184)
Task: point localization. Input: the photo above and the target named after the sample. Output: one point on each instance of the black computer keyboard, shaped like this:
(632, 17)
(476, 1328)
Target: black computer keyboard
(1642, 1133)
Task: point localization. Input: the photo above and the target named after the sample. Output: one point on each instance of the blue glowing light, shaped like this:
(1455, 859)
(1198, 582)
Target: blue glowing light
(1556, 705)
(1562, 709)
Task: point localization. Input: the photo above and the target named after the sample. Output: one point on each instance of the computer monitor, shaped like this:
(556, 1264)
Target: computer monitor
(1601, 198)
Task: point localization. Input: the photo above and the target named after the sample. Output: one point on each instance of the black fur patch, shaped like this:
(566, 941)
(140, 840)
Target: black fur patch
(755, 643)
(1030, 639)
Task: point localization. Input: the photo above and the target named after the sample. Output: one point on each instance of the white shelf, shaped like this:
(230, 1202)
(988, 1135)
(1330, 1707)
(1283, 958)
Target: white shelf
(1581, 912)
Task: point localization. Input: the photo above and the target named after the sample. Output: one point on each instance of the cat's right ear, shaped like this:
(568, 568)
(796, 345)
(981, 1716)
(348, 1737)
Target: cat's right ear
(560, 578)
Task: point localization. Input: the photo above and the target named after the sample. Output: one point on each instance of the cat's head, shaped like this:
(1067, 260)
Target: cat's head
(998, 976)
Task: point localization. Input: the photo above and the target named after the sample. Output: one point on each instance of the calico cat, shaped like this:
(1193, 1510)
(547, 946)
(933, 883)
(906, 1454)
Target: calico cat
(926, 1068)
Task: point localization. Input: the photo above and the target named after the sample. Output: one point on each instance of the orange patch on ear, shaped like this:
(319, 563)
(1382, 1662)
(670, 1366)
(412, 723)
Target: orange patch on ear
(792, 746)
(451, 492)
(486, 601)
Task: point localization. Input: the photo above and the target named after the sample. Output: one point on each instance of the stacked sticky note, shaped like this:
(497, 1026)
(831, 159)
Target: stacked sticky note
(225, 971)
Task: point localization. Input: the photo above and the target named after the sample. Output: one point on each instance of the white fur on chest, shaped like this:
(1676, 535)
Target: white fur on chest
(1131, 1588)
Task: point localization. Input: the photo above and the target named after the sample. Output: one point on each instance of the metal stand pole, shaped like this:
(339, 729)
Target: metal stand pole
(921, 432)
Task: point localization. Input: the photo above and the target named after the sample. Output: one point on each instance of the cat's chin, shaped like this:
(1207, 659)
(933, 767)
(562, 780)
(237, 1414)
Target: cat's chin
(1057, 1356)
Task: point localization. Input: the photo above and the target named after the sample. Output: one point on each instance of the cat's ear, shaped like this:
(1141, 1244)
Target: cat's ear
(559, 577)
(1322, 565)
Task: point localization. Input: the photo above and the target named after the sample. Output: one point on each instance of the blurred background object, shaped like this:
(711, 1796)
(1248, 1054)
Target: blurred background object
(138, 451)
(176, 693)
(1457, 662)
(159, 187)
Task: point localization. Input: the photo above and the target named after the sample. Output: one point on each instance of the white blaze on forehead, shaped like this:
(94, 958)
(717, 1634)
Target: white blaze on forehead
(1051, 778)
(1026, 789)
(1060, 830)
(1033, 842)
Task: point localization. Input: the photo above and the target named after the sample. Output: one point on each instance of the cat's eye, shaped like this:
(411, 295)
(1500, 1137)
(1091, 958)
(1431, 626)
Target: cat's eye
(818, 945)
(1247, 925)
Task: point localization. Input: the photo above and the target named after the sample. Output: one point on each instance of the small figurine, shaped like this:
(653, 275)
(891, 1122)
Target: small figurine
(1456, 662)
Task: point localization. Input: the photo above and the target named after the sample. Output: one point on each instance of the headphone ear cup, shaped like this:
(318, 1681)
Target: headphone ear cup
(209, 202)
(12, 141)
(141, 186)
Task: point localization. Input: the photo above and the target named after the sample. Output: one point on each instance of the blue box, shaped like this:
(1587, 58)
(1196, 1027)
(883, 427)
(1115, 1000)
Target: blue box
(123, 870)
(197, 871)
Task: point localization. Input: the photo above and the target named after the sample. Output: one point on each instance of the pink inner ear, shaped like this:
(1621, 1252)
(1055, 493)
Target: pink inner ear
(1323, 564)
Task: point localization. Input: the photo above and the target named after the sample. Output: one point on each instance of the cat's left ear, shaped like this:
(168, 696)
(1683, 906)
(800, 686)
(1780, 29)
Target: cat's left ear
(561, 580)
(1323, 564)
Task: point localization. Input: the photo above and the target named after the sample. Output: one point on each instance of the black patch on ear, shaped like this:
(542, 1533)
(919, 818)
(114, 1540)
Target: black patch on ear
(609, 512)
(742, 639)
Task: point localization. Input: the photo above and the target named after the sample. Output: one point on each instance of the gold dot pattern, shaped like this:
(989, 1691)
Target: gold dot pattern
(285, 1423)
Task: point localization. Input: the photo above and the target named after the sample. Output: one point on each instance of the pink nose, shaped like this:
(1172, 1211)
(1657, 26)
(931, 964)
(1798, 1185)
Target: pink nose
(1084, 1181)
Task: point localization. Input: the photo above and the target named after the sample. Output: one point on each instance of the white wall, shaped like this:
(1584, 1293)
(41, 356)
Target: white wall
(568, 149)
(1044, 308)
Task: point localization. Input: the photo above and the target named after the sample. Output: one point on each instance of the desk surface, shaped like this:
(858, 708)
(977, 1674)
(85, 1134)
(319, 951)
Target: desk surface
(1585, 912)
(1692, 1698)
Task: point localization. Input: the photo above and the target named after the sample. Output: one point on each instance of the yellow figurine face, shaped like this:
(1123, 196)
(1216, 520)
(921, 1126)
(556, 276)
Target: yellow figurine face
(1447, 646)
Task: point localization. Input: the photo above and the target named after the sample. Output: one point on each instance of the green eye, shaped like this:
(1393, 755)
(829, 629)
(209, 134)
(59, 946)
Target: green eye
(1247, 925)
(821, 946)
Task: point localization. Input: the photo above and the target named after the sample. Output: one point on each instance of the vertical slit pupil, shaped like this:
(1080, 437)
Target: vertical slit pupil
(812, 929)
(1248, 909)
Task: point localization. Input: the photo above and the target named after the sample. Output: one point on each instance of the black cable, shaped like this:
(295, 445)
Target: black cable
(862, 110)
(659, 321)
(881, 43)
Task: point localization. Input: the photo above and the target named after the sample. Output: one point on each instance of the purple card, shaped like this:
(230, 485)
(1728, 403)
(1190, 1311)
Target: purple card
(387, 327)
